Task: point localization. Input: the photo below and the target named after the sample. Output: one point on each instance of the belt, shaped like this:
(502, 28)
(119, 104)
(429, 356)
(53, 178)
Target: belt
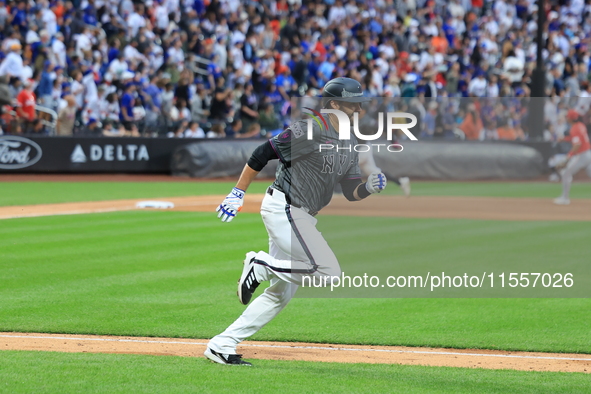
(270, 192)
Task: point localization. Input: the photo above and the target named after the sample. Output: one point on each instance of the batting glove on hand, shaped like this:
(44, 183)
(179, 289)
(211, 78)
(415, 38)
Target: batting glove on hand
(376, 183)
(231, 206)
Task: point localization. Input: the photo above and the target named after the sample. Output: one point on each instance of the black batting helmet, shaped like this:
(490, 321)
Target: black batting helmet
(344, 89)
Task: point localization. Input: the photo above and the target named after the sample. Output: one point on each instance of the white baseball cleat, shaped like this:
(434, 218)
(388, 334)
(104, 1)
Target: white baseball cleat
(561, 201)
(405, 185)
(248, 282)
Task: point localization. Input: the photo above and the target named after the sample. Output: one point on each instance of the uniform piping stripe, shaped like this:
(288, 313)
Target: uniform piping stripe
(301, 240)
(279, 155)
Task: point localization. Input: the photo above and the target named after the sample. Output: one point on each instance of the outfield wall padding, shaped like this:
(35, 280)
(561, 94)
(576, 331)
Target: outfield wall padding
(424, 159)
(462, 161)
(215, 159)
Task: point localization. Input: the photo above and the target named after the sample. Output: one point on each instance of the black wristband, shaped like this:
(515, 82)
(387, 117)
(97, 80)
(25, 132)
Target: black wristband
(362, 191)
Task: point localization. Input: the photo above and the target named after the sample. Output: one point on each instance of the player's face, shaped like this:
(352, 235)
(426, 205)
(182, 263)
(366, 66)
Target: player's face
(350, 108)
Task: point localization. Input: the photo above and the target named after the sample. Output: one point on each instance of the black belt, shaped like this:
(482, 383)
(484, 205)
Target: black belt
(270, 191)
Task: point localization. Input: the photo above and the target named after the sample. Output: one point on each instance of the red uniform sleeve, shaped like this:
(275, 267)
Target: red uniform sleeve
(578, 135)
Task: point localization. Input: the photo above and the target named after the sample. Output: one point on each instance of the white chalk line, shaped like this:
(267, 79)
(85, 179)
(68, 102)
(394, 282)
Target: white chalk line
(307, 347)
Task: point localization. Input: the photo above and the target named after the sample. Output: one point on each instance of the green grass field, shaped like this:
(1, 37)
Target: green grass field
(23, 193)
(28, 372)
(174, 273)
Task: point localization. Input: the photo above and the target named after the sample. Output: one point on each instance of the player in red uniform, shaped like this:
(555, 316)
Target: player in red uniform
(579, 156)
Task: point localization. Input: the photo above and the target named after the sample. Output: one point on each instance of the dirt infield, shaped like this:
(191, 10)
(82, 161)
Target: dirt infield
(415, 207)
(484, 208)
(466, 358)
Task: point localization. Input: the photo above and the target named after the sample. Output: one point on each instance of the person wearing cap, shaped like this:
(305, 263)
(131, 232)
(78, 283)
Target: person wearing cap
(578, 158)
(93, 127)
(12, 65)
(303, 186)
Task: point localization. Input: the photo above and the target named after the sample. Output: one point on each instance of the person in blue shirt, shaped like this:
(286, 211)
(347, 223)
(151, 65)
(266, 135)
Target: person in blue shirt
(19, 18)
(45, 87)
(274, 97)
(90, 14)
(127, 104)
(114, 50)
(213, 70)
(326, 68)
(313, 76)
(154, 92)
(285, 82)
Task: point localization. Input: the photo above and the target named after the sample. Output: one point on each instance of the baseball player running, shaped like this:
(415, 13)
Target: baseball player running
(304, 184)
(579, 156)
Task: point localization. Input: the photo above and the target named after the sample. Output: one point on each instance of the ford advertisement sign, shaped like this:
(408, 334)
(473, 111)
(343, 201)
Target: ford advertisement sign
(80, 154)
(18, 152)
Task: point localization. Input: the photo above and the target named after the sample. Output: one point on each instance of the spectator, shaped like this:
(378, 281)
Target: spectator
(38, 127)
(220, 109)
(248, 107)
(127, 104)
(506, 131)
(472, 124)
(26, 106)
(66, 118)
(12, 65)
(269, 121)
(217, 131)
(253, 131)
(456, 48)
(194, 131)
(200, 105)
(45, 87)
(478, 86)
(234, 129)
(93, 128)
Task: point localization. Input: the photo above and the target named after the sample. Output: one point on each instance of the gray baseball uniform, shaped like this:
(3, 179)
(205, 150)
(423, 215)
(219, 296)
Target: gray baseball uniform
(304, 184)
(308, 176)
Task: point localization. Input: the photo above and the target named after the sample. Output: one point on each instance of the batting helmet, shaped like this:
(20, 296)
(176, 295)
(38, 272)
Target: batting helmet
(572, 115)
(344, 89)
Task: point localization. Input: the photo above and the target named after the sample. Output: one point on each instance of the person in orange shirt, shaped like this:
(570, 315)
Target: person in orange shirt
(508, 132)
(579, 156)
(26, 105)
(439, 42)
(472, 124)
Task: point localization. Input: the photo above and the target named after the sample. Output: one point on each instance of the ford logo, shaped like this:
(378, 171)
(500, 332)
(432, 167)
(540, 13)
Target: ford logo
(18, 152)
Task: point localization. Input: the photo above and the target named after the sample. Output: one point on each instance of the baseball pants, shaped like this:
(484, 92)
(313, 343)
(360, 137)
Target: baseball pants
(296, 249)
(575, 164)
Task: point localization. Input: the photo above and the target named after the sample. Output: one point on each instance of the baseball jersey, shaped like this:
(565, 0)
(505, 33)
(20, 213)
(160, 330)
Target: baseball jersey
(307, 175)
(578, 135)
(26, 99)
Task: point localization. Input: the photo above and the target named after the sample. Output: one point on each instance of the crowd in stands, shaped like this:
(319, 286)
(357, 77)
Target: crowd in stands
(228, 68)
